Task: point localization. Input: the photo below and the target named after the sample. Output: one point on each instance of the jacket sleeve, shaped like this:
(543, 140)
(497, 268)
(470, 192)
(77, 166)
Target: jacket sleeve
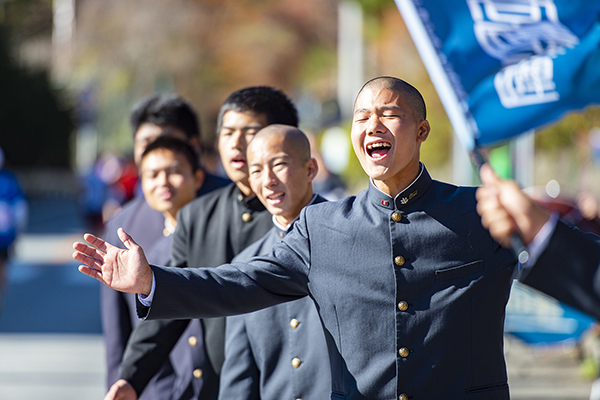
(569, 269)
(240, 376)
(235, 288)
(148, 349)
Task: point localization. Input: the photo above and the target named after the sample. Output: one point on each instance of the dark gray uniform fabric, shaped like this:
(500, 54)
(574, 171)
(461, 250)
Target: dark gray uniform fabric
(118, 309)
(275, 353)
(119, 319)
(411, 292)
(572, 258)
(210, 231)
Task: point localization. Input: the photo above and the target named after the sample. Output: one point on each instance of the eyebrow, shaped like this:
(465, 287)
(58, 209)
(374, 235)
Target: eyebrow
(245, 128)
(383, 108)
(176, 164)
(276, 158)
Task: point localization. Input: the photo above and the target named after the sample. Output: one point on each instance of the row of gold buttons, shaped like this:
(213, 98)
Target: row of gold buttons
(403, 305)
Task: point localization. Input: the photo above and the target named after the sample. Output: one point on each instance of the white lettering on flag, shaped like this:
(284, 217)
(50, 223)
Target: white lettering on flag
(516, 29)
(527, 82)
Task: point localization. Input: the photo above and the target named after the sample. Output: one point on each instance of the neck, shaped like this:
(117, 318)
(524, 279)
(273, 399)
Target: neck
(171, 218)
(244, 188)
(399, 182)
(287, 220)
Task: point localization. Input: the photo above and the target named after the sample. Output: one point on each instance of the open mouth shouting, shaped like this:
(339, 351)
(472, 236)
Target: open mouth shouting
(378, 150)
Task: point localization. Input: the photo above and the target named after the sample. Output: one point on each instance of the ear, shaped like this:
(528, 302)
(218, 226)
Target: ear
(423, 131)
(200, 175)
(313, 169)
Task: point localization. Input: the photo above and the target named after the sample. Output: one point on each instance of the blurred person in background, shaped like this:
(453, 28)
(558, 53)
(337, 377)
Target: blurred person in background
(13, 218)
(279, 352)
(211, 230)
(326, 183)
(152, 116)
(170, 178)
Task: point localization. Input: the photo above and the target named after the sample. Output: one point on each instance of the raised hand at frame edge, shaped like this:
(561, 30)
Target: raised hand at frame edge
(123, 270)
(506, 210)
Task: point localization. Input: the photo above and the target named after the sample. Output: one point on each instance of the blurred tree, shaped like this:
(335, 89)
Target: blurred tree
(203, 50)
(34, 125)
(562, 134)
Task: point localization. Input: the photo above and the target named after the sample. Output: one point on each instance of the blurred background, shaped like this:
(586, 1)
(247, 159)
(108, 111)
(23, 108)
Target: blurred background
(71, 69)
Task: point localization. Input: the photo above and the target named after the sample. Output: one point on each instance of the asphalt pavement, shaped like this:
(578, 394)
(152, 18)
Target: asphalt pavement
(50, 334)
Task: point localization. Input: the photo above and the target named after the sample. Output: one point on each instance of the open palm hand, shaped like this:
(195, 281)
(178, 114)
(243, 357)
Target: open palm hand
(124, 270)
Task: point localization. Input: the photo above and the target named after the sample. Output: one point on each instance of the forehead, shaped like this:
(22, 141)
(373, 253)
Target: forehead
(150, 130)
(374, 98)
(237, 119)
(268, 147)
(159, 157)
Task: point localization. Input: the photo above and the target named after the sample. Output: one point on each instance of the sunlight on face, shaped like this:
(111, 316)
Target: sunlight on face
(168, 181)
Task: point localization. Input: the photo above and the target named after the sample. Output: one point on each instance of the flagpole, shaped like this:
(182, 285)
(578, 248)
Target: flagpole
(463, 128)
(452, 104)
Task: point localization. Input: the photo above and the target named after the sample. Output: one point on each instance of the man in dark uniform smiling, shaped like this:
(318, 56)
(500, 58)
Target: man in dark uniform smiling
(410, 287)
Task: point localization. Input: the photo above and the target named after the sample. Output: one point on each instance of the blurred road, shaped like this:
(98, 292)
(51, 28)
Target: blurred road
(50, 335)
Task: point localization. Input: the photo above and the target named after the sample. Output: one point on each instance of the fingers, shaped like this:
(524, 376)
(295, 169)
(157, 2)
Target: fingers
(121, 390)
(89, 261)
(88, 250)
(488, 176)
(126, 239)
(96, 242)
(84, 269)
(494, 217)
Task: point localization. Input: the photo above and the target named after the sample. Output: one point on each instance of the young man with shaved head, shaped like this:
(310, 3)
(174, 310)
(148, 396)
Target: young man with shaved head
(411, 289)
(279, 352)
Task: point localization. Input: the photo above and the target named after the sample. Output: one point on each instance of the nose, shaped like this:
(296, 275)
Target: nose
(238, 140)
(374, 125)
(162, 178)
(270, 179)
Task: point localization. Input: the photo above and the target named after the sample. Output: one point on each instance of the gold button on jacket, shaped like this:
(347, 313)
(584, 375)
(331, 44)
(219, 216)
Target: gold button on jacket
(193, 341)
(403, 306)
(396, 216)
(197, 373)
(403, 352)
(296, 362)
(294, 323)
(399, 261)
(403, 397)
(246, 217)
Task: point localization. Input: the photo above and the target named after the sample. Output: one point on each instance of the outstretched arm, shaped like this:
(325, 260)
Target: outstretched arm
(123, 270)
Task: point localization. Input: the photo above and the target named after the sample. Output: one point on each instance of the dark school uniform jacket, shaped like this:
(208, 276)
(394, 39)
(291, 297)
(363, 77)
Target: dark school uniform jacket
(275, 353)
(146, 226)
(210, 231)
(411, 292)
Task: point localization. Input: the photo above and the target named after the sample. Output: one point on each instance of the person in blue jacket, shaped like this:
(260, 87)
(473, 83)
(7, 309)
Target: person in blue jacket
(13, 218)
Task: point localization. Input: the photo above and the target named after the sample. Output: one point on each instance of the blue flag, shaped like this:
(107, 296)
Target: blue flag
(508, 66)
